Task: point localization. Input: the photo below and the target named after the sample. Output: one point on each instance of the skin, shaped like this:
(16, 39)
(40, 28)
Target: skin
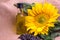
(8, 17)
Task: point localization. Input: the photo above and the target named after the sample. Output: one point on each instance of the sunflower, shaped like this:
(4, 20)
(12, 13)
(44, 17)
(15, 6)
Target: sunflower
(40, 18)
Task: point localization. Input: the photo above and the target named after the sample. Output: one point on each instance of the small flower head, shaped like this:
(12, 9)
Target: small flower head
(40, 18)
(28, 37)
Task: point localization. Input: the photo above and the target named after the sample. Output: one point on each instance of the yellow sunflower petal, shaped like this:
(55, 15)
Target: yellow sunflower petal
(38, 8)
(29, 19)
(30, 12)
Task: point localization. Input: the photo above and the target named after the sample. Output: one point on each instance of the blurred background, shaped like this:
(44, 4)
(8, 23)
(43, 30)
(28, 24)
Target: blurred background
(8, 17)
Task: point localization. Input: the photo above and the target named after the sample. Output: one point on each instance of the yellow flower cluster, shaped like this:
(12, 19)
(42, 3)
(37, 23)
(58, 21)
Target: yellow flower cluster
(40, 18)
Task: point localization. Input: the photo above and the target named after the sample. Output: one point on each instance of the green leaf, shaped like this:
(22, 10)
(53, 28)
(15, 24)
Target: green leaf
(25, 7)
(45, 37)
(55, 34)
(56, 28)
(20, 23)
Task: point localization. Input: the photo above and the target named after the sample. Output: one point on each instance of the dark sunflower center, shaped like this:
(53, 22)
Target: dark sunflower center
(41, 19)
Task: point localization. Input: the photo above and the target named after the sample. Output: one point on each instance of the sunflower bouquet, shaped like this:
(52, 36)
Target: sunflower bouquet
(37, 21)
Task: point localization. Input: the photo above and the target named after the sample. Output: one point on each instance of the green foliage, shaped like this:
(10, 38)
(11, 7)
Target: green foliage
(27, 6)
(20, 24)
(56, 30)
